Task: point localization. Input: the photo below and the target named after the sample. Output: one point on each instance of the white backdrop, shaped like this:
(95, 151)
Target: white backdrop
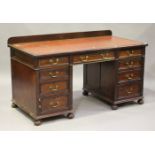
(142, 32)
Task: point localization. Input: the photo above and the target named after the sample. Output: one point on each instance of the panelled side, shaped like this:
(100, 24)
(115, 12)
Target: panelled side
(24, 87)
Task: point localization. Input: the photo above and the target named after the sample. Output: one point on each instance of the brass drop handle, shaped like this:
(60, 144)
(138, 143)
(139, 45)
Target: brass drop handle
(53, 88)
(130, 76)
(130, 90)
(51, 74)
(131, 52)
(54, 104)
(54, 61)
(105, 56)
(84, 58)
(130, 64)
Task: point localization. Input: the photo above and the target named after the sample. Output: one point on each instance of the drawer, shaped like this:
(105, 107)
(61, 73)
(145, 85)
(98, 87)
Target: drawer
(54, 74)
(129, 76)
(129, 53)
(53, 61)
(130, 63)
(54, 87)
(128, 90)
(49, 104)
(103, 56)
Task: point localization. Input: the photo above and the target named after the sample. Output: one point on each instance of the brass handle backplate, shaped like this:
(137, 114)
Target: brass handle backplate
(84, 58)
(53, 88)
(130, 63)
(54, 61)
(130, 76)
(130, 53)
(53, 75)
(106, 56)
(130, 90)
(54, 104)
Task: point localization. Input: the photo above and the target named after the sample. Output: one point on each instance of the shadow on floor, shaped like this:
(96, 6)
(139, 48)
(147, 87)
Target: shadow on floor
(90, 105)
(84, 106)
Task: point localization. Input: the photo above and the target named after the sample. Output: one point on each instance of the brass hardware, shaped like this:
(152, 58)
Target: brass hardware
(131, 53)
(54, 61)
(130, 64)
(53, 75)
(54, 104)
(130, 90)
(105, 56)
(130, 76)
(127, 63)
(39, 99)
(51, 60)
(84, 58)
(53, 88)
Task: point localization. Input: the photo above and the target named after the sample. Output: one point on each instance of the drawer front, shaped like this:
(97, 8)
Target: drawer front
(131, 63)
(129, 76)
(104, 56)
(53, 61)
(54, 104)
(128, 90)
(130, 53)
(54, 87)
(55, 74)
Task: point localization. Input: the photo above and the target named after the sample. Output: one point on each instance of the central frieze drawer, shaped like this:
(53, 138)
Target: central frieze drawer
(103, 56)
(54, 87)
(53, 61)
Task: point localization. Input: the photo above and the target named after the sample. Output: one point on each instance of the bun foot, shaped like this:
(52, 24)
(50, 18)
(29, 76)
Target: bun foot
(85, 93)
(114, 107)
(13, 105)
(140, 101)
(70, 116)
(37, 122)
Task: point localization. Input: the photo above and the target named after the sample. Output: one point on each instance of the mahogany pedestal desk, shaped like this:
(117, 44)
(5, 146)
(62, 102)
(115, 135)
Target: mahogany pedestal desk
(42, 71)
